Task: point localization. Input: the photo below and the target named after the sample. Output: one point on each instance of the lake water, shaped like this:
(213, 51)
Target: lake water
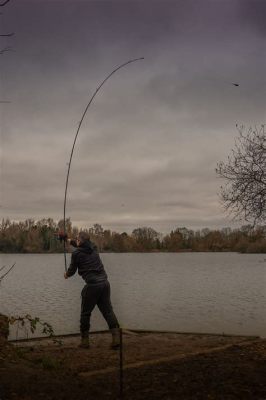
(190, 292)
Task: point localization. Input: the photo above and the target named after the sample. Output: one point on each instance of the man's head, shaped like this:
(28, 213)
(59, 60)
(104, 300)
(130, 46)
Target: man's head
(83, 237)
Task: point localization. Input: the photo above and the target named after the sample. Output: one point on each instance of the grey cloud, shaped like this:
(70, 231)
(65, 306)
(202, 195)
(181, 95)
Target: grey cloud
(150, 142)
(254, 14)
(177, 204)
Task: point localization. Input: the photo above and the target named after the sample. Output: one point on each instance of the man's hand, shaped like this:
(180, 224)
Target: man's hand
(66, 276)
(61, 236)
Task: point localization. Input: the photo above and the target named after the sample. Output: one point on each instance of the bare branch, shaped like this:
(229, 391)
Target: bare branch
(4, 3)
(244, 193)
(7, 34)
(5, 49)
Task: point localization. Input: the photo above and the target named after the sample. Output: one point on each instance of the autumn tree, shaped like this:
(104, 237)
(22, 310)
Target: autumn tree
(96, 233)
(244, 192)
(173, 241)
(146, 238)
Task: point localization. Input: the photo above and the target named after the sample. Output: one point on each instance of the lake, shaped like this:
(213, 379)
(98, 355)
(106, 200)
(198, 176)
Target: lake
(188, 292)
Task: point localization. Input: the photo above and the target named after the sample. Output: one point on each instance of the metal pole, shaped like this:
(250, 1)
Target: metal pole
(121, 375)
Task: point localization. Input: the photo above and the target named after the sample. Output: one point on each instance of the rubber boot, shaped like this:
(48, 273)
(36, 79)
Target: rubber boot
(115, 338)
(85, 342)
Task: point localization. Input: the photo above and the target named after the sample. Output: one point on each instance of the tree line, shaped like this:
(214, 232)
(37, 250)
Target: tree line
(40, 236)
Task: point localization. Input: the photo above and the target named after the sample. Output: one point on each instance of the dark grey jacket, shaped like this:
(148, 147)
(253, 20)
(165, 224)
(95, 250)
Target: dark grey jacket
(86, 260)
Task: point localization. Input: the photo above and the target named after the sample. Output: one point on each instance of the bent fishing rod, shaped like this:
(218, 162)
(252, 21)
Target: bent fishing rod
(75, 139)
(5, 274)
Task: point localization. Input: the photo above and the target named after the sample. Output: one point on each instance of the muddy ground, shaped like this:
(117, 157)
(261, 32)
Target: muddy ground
(155, 366)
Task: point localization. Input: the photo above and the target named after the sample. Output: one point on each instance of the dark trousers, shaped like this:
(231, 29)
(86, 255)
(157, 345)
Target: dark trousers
(92, 295)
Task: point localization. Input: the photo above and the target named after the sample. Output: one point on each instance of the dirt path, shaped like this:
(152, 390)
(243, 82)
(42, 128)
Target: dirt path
(156, 366)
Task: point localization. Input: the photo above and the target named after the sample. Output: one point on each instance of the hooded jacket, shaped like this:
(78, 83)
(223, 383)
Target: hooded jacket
(86, 260)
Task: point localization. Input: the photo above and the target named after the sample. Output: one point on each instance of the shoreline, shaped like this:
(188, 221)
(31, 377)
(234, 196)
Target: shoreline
(156, 365)
(142, 252)
(127, 331)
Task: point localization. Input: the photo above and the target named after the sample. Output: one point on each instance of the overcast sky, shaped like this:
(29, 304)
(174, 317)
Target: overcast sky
(148, 147)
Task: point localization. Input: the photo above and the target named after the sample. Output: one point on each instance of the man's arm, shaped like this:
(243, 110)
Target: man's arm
(72, 267)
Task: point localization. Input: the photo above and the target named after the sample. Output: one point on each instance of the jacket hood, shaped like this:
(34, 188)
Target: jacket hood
(87, 247)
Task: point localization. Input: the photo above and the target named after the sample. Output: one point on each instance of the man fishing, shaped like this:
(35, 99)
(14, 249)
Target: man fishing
(85, 258)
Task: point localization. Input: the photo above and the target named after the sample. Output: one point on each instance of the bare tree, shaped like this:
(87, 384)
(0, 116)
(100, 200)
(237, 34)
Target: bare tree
(244, 193)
